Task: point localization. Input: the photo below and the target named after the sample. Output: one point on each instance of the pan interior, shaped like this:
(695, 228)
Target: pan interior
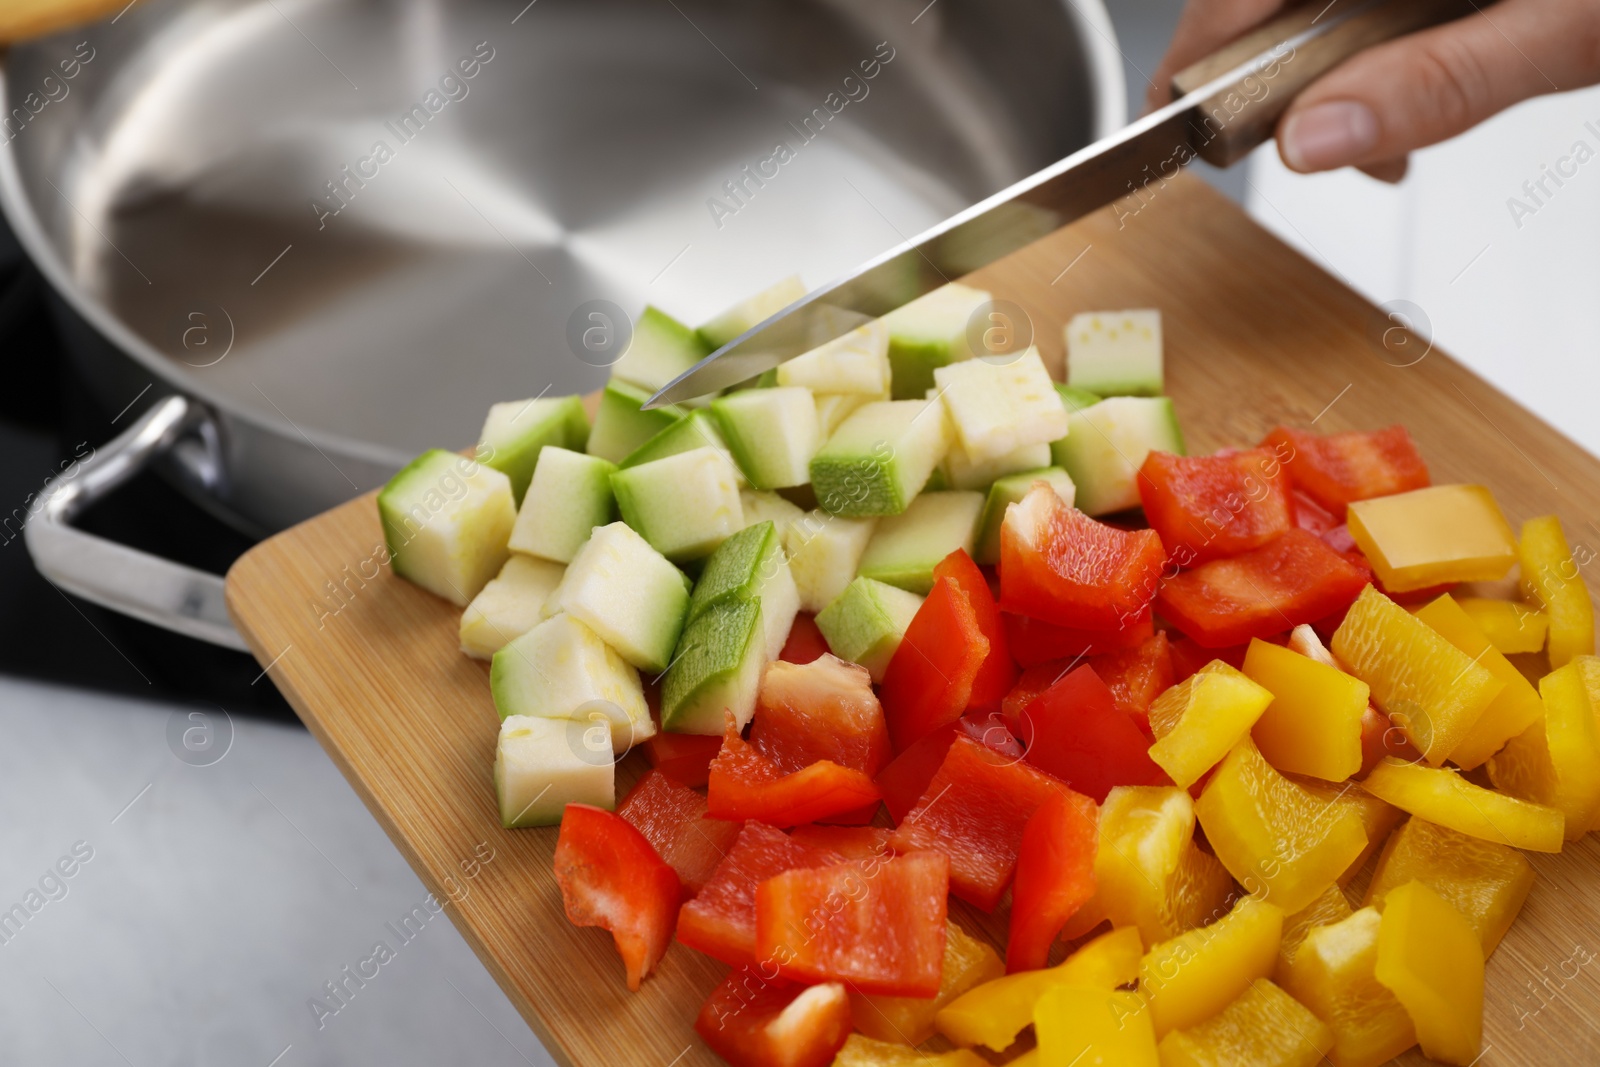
(372, 218)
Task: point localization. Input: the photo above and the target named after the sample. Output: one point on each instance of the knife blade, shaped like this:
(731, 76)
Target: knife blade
(1226, 105)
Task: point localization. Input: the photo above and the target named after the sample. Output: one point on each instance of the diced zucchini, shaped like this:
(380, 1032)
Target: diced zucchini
(866, 623)
(855, 364)
(685, 505)
(508, 606)
(1010, 490)
(751, 565)
(569, 496)
(906, 547)
(538, 772)
(834, 408)
(446, 519)
(621, 424)
(1075, 399)
(762, 506)
(1108, 443)
(997, 408)
(697, 430)
(516, 432)
(661, 349)
(930, 332)
(961, 471)
(824, 553)
(880, 457)
(1115, 353)
(716, 669)
(559, 669)
(747, 314)
(772, 433)
(629, 594)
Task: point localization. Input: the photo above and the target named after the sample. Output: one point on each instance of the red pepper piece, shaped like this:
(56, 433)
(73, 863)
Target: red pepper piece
(1074, 731)
(1055, 876)
(994, 678)
(1136, 676)
(753, 1022)
(1206, 507)
(822, 710)
(906, 778)
(851, 842)
(805, 642)
(928, 682)
(673, 819)
(1339, 468)
(683, 758)
(1189, 656)
(745, 784)
(1034, 642)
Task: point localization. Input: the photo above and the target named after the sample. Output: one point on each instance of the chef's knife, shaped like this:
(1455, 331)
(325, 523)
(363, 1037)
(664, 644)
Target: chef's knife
(1226, 105)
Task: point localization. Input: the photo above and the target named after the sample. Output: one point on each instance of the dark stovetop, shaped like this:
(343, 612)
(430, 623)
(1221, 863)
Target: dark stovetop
(47, 417)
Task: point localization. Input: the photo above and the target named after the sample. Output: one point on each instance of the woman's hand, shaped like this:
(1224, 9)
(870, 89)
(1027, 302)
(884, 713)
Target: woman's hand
(1372, 110)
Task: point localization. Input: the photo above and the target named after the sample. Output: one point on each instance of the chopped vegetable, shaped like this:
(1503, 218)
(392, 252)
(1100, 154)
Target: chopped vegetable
(1115, 353)
(1033, 642)
(1339, 468)
(752, 1022)
(1088, 1027)
(569, 496)
(516, 433)
(1207, 507)
(508, 606)
(1198, 720)
(446, 519)
(1263, 1027)
(907, 547)
(1556, 761)
(928, 683)
(855, 364)
(561, 669)
(999, 407)
(1313, 724)
(538, 771)
(1509, 626)
(772, 433)
(906, 778)
(867, 622)
(749, 313)
(805, 642)
(1441, 795)
(823, 710)
(621, 424)
(1195, 975)
(1330, 907)
(628, 594)
(716, 668)
(994, 679)
(1074, 731)
(744, 784)
(968, 962)
(685, 759)
(1054, 876)
(1430, 958)
(673, 819)
(880, 457)
(1107, 443)
(1551, 578)
(750, 566)
(1333, 974)
(684, 505)
(1009, 490)
(1435, 536)
(928, 333)
(824, 555)
(1512, 711)
(1486, 882)
(1149, 873)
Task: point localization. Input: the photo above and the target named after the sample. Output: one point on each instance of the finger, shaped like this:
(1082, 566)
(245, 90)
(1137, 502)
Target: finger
(1204, 26)
(1430, 86)
(1388, 170)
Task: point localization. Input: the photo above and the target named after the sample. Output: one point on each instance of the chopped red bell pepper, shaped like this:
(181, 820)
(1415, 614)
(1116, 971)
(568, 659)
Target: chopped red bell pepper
(1075, 732)
(683, 758)
(1033, 681)
(1136, 676)
(851, 842)
(994, 678)
(1311, 516)
(1062, 567)
(1034, 642)
(1295, 579)
(1188, 656)
(974, 811)
(876, 924)
(906, 778)
(673, 819)
(721, 920)
(745, 784)
(929, 679)
(805, 641)
(822, 710)
(1205, 507)
(754, 1022)
(1338, 468)
(610, 877)
(1055, 876)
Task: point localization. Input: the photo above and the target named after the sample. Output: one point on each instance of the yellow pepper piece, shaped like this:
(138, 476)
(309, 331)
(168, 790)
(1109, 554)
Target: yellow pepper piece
(1509, 626)
(1331, 907)
(1265, 1027)
(1556, 761)
(1148, 871)
(968, 962)
(1445, 533)
(1378, 817)
(862, 1051)
(1550, 577)
(1192, 977)
(1428, 687)
(1516, 707)
(1333, 975)
(994, 1013)
(1431, 959)
(1029, 1058)
(1486, 882)
(1313, 725)
(1278, 840)
(1080, 1026)
(1198, 720)
(1441, 795)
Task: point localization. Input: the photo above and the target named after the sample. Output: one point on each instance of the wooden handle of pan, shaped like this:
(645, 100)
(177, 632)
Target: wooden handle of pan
(1278, 59)
(22, 19)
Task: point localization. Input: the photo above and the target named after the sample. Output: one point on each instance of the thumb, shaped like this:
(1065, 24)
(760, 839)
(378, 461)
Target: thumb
(1430, 86)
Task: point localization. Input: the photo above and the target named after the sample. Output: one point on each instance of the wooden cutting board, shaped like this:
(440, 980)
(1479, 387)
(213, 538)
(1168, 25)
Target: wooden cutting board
(1255, 336)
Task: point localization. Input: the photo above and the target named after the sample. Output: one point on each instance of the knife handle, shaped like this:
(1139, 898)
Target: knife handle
(1272, 63)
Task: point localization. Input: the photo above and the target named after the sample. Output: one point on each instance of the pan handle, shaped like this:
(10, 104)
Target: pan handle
(167, 594)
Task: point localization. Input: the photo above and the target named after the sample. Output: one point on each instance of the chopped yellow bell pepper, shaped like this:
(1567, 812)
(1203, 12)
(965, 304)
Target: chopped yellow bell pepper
(1333, 975)
(1515, 708)
(1199, 719)
(968, 962)
(1551, 578)
(1080, 1026)
(862, 1051)
(1378, 817)
(1192, 977)
(1148, 871)
(1509, 626)
(994, 1013)
(1433, 536)
(1330, 907)
(1556, 761)
(1313, 725)
(1279, 841)
(1264, 1027)
(1428, 687)
(1431, 959)
(1486, 882)
(1441, 795)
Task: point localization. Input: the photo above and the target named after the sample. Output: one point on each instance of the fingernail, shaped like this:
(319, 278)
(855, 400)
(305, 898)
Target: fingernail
(1329, 135)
